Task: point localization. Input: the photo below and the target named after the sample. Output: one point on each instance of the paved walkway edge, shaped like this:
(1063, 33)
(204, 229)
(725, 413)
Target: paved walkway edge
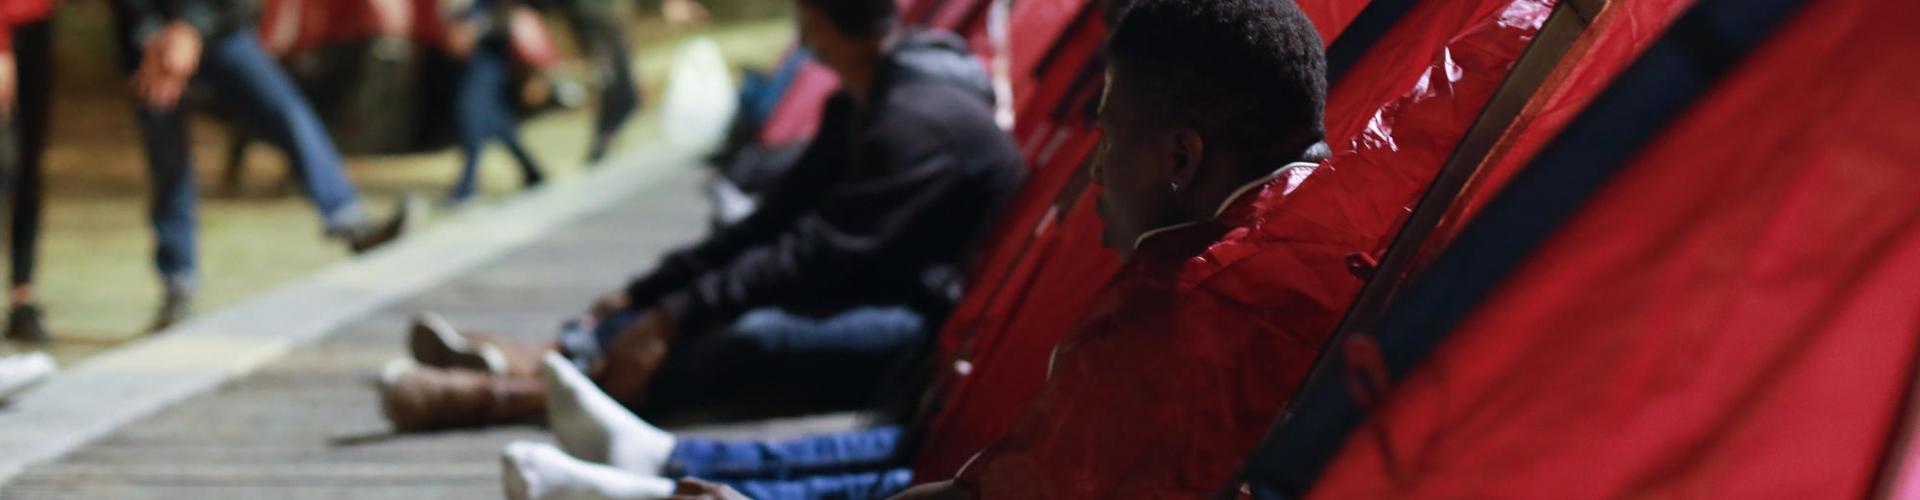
(107, 391)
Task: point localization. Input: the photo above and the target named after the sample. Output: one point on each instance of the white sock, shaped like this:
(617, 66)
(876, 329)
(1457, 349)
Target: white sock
(592, 426)
(539, 471)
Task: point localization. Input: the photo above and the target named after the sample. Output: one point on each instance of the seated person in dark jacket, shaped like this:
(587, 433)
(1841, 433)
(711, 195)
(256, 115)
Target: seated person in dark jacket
(825, 290)
(172, 44)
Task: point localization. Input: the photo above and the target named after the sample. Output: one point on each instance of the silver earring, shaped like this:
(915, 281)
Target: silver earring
(1175, 185)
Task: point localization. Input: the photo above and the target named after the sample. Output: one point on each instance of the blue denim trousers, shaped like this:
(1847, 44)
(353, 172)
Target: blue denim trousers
(241, 75)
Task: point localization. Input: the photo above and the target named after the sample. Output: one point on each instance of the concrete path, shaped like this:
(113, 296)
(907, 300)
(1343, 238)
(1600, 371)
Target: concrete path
(274, 399)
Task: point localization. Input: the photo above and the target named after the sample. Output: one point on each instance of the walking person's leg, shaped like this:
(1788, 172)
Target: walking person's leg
(33, 52)
(598, 31)
(264, 95)
(483, 114)
(171, 213)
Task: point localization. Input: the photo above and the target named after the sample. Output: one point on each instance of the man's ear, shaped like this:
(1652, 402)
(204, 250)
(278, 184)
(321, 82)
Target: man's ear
(1189, 151)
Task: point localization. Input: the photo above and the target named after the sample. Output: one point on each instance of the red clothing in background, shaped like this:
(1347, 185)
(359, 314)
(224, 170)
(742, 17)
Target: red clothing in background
(18, 12)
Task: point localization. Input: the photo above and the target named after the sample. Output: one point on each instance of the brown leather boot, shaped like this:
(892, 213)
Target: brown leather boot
(420, 398)
(435, 342)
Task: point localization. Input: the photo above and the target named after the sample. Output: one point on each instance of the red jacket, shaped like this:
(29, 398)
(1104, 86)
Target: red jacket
(18, 12)
(1391, 122)
(1181, 365)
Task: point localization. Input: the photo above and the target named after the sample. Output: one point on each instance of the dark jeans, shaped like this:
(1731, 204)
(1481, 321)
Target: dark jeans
(852, 465)
(241, 75)
(485, 115)
(600, 34)
(20, 170)
(850, 486)
(839, 453)
(773, 357)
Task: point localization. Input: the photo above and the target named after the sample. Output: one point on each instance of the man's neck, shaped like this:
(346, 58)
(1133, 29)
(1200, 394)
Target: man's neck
(864, 74)
(1216, 195)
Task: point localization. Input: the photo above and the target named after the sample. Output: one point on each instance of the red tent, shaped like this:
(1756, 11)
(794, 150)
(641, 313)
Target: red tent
(1732, 315)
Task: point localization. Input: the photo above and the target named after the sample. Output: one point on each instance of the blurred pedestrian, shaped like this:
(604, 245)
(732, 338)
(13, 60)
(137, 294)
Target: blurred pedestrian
(26, 88)
(170, 44)
(599, 28)
(478, 35)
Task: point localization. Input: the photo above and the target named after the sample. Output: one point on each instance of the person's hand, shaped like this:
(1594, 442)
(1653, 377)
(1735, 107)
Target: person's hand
(695, 489)
(683, 13)
(9, 85)
(462, 39)
(607, 305)
(654, 323)
(168, 62)
(633, 357)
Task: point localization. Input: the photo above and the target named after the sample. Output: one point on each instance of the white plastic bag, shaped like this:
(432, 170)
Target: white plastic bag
(700, 99)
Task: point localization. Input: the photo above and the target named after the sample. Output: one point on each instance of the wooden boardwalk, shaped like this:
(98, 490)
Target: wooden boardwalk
(308, 425)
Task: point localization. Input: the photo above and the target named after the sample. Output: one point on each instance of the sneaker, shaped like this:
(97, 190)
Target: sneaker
(17, 373)
(23, 325)
(175, 308)
(368, 236)
(422, 398)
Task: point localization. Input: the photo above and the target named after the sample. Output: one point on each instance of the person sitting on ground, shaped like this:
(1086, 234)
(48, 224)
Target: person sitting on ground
(817, 297)
(171, 44)
(1185, 359)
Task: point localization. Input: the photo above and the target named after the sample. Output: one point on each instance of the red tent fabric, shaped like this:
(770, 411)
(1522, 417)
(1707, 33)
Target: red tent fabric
(1616, 35)
(1423, 104)
(1733, 316)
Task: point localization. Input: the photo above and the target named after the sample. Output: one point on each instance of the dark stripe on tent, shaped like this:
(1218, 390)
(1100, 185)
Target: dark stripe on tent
(1695, 53)
(1358, 39)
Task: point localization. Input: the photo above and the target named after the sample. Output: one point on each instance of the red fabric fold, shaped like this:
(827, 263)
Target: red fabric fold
(1733, 316)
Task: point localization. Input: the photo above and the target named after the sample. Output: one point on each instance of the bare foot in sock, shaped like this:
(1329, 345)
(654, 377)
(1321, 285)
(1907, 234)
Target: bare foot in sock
(593, 427)
(538, 471)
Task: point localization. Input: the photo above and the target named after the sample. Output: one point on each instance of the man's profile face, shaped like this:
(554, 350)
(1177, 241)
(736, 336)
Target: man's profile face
(819, 36)
(828, 43)
(1129, 167)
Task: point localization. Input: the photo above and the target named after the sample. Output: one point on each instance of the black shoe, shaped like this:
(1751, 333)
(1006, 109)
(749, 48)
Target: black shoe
(369, 236)
(597, 151)
(175, 308)
(23, 325)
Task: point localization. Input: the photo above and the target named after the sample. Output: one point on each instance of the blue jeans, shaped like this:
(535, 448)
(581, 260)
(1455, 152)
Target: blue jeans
(847, 452)
(238, 72)
(772, 356)
(857, 464)
(849, 486)
(485, 115)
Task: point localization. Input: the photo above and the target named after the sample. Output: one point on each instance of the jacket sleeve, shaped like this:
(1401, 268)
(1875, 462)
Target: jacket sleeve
(1161, 400)
(206, 16)
(861, 225)
(798, 192)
